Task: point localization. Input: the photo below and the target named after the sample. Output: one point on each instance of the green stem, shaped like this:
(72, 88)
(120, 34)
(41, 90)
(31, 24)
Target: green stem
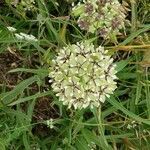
(101, 130)
(147, 93)
(134, 15)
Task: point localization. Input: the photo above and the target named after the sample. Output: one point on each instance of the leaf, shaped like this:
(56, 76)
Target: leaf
(48, 21)
(121, 65)
(89, 136)
(25, 99)
(78, 10)
(10, 96)
(41, 72)
(62, 33)
(135, 34)
(81, 144)
(2, 144)
(126, 75)
(25, 141)
(120, 107)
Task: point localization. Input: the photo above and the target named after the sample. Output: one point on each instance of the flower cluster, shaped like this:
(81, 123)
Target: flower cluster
(22, 36)
(132, 125)
(106, 17)
(25, 4)
(11, 29)
(83, 75)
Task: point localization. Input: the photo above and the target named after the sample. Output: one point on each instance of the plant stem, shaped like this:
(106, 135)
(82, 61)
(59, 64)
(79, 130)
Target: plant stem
(101, 130)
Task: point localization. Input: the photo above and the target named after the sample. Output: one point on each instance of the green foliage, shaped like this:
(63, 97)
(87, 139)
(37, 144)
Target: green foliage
(27, 102)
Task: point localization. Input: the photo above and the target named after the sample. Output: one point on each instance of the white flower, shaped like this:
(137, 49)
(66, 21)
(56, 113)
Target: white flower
(83, 75)
(50, 123)
(11, 29)
(23, 36)
(18, 36)
(132, 125)
(26, 4)
(28, 37)
(129, 126)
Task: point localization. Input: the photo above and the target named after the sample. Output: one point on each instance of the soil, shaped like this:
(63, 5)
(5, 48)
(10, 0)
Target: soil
(43, 109)
(9, 61)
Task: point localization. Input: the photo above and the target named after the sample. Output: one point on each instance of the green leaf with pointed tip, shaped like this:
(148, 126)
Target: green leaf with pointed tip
(120, 107)
(121, 65)
(78, 10)
(10, 96)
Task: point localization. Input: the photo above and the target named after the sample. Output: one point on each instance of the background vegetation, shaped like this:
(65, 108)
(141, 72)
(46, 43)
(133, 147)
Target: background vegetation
(28, 104)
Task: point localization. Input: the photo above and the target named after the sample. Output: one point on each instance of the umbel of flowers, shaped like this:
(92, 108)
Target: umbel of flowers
(83, 75)
(25, 4)
(106, 17)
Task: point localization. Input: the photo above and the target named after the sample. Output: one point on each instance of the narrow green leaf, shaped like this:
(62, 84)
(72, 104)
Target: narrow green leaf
(121, 65)
(35, 71)
(135, 34)
(25, 99)
(120, 107)
(10, 96)
(81, 144)
(26, 141)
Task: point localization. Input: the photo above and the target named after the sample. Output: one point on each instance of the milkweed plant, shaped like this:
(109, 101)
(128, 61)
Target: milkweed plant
(24, 5)
(82, 75)
(104, 17)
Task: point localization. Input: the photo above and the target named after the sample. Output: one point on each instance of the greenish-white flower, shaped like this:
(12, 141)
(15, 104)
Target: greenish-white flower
(105, 17)
(83, 75)
(26, 37)
(11, 29)
(27, 5)
(50, 123)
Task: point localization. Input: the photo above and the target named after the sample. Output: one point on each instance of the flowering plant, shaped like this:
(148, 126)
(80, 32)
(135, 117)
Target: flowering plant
(27, 5)
(83, 75)
(22, 36)
(106, 17)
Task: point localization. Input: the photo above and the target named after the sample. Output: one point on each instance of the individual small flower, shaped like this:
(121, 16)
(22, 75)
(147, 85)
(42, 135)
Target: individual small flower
(105, 17)
(83, 75)
(11, 29)
(23, 36)
(50, 123)
(132, 125)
